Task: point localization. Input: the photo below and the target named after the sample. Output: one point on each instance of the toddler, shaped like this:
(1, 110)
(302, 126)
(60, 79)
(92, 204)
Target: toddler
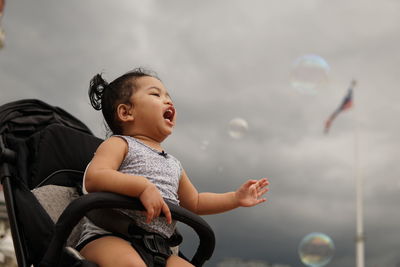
(141, 115)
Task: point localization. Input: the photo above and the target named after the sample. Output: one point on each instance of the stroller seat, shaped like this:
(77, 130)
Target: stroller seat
(44, 151)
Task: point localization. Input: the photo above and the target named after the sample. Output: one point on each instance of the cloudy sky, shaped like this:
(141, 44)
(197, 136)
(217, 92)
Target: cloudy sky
(230, 59)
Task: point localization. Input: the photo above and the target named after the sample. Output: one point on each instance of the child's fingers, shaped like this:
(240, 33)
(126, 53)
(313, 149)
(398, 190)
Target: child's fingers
(149, 215)
(261, 200)
(248, 185)
(260, 182)
(262, 192)
(157, 212)
(263, 182)
(251, 182)
(167, 213)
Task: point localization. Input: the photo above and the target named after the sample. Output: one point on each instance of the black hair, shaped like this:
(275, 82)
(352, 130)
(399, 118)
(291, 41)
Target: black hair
(106, 96)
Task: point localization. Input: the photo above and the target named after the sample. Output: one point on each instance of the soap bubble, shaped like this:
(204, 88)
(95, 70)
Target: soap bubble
(309, 73)
(316, 249)
(238, 128)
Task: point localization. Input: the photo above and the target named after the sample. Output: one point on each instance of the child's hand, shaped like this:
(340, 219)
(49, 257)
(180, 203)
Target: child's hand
(154, 204)
(249, 193)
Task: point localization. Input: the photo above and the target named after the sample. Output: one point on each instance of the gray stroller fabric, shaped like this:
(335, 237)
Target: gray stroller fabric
(54, 199)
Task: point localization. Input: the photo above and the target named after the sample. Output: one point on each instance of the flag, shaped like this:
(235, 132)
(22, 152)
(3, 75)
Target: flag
(346, 104)
(2, 4)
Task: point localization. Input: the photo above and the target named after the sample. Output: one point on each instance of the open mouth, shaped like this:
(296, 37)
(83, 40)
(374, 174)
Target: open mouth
(169, 114)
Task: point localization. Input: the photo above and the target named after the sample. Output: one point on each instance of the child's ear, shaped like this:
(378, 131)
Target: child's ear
(125, 112)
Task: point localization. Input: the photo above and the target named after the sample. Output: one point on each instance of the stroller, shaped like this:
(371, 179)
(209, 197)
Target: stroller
(43, 153)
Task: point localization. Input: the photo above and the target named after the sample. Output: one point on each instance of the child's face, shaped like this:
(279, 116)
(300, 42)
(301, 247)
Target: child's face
(153, 111)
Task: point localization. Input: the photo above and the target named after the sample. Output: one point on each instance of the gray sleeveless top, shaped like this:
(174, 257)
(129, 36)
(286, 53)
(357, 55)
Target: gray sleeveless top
(164, 171)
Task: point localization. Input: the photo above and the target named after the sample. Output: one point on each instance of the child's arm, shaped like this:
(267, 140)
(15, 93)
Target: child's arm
(103, 175)
(211, 203)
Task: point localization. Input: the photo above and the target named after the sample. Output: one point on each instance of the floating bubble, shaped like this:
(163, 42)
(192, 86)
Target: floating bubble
(238, 128)
(316, 249)
(309, 73)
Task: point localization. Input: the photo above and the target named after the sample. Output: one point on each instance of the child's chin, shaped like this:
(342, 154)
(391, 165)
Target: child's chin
(167, 132)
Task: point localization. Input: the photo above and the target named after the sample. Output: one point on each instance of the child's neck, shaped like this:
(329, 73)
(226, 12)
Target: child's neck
(149, 141)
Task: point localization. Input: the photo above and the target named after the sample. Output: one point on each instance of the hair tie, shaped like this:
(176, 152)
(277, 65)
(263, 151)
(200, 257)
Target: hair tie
(96, 91)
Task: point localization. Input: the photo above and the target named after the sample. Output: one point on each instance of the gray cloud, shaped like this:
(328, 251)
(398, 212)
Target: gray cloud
(226, 59)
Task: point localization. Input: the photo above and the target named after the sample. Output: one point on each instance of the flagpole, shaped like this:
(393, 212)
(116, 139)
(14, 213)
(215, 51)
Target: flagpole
(359, 240)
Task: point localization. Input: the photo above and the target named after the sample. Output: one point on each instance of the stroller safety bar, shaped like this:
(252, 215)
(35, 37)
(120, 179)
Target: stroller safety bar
(77, 209)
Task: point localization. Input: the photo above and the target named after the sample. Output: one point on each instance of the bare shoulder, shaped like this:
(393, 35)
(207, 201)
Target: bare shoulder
(116, 140)
(114, 147)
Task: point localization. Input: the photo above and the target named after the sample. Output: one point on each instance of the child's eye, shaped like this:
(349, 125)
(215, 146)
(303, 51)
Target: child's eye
(156, 94)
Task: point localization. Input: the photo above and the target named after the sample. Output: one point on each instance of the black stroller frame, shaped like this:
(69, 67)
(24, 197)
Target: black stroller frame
(37, 152)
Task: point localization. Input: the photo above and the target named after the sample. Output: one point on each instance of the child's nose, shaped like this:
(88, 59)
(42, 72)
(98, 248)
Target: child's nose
(169, 101)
